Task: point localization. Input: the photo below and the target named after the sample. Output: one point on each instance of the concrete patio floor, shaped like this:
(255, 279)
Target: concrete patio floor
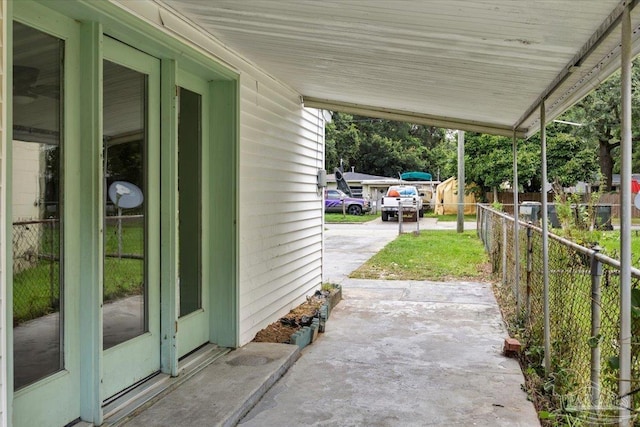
(403, 354)
(395, 353)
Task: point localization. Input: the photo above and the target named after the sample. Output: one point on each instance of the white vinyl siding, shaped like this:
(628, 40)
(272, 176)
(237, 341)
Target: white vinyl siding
(281, 150)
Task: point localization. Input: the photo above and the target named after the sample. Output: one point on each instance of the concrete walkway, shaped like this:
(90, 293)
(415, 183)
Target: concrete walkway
(399, 353)
(395, 353)
(403, 354)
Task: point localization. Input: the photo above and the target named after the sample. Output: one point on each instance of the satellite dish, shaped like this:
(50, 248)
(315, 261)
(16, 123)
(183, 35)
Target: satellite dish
(125, 195)
(636, 201)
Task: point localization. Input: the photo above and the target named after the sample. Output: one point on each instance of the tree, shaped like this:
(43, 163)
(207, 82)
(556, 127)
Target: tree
(383, 147)
(342, 140)
(569, 160)
(599, 116)
(489, 161)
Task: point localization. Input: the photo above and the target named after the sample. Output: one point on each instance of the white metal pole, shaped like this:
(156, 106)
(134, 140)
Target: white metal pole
(624, 386)
(545, 241)
(461, 178)
(504, 251)
(596, 298)
(516, 226)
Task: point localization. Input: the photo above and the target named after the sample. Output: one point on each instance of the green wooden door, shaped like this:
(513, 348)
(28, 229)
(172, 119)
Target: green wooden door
(44, 368)
(193, 307)
(131, 226)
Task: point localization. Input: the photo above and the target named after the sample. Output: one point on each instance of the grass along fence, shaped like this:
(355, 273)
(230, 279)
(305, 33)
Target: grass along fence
(36, 264)
(584, 313)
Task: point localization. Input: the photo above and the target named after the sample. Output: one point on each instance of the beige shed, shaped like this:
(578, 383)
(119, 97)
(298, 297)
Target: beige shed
(447, 198)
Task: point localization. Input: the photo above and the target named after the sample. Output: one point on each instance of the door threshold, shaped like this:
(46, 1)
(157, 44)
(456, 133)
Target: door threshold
(142, 395)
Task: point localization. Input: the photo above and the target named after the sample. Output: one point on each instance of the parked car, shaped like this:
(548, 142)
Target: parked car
(407, 195)
(334, 199)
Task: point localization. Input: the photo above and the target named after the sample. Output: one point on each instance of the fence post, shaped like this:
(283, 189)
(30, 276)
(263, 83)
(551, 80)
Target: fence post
(596, 274)
(485, 228)
(119, 233)
(529, 268)
(400, 213)
(51, 262)
(504, 250)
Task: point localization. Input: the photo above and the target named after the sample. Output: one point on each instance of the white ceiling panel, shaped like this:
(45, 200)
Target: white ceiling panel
(471, 64)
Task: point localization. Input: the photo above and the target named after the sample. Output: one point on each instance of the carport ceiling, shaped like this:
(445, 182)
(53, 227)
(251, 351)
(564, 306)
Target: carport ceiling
(472, 65)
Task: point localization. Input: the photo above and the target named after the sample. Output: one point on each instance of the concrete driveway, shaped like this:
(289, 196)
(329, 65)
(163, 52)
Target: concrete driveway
(399, 353)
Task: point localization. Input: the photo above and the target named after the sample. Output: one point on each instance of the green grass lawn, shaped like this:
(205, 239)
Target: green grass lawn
(610, 243)
(36, 289)
(433, 255)
(616, 221)
(449, 217)
(132, 238)
(339, 218)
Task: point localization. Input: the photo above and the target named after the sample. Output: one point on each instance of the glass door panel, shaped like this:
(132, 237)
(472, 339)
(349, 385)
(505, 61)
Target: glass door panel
(37, 153)
(190, 201)
(131, 251)
(193, 324)
(42, 189)
(124, 141)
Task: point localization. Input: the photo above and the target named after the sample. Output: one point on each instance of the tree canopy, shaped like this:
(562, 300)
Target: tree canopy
(598, 116)
(582, 152)
(385, 147)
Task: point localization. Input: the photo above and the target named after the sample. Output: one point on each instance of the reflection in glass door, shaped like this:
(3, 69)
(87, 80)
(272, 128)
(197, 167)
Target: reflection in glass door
(131, 229)
(124, 284)
(193, 324)
(37, 205)
(190, 205)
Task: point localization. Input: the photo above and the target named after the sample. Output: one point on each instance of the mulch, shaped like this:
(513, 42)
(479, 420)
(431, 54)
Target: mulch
(280, 331)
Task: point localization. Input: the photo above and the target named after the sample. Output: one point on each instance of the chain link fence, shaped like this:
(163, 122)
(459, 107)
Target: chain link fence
(123, 256)
(36, 269)
(36, 264)
(584, 316)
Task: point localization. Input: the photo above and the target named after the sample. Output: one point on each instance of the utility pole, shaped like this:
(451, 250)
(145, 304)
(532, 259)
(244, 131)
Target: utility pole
(460, 227)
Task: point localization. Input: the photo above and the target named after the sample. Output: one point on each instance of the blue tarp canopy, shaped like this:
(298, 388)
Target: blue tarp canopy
(415, 176)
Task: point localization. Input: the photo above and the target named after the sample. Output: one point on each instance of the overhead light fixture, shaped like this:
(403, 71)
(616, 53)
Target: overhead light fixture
(24, 99)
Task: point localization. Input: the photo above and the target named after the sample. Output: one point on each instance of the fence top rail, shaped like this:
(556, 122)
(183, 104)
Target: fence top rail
(56, 220)
(109, 218)
(573, 245)
(38, 221)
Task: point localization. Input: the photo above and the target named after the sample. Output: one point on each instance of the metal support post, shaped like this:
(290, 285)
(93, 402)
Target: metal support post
(52, 259)
(516, 225)
(545, 241)
(461, 178)
(596, 274)
(529, 271)
(400, 214)
(119, 232)
(505, 241)
(624, 385)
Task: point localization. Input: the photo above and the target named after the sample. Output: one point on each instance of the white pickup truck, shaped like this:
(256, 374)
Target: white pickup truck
(408, 196)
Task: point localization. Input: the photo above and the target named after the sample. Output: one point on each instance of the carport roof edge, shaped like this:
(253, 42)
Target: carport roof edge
(412, 117)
